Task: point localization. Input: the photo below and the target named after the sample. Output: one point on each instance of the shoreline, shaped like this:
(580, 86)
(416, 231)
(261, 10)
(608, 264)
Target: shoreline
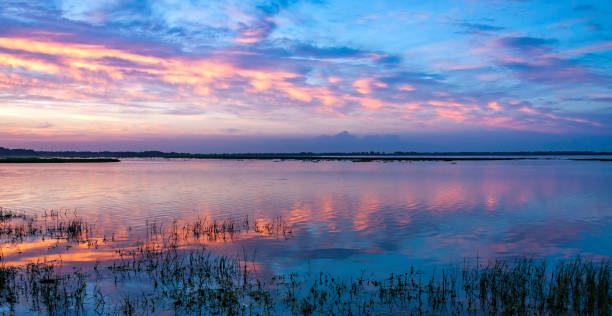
(311, 158)
(56, 160)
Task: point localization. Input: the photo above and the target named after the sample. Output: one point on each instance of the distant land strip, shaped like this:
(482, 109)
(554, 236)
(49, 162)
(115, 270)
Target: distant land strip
(366, 155)
(355, 158)
(56, 160)
(592, 159)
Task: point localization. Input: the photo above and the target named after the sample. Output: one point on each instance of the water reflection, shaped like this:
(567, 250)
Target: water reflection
(343, 215)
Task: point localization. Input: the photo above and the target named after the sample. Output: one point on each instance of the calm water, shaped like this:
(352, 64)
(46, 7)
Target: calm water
(345, 216)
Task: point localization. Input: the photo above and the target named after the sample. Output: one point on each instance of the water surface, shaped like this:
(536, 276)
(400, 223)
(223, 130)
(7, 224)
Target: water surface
(345, 217)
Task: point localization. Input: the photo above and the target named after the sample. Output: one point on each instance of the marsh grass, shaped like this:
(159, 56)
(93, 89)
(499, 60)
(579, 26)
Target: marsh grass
(65, 225)
(160, 275)
(232, 228)
(7, 215)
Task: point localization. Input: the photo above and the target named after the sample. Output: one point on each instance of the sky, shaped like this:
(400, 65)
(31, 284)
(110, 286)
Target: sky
(258, 76)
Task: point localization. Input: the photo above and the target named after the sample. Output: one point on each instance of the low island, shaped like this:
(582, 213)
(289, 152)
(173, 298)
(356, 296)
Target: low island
(55, 160)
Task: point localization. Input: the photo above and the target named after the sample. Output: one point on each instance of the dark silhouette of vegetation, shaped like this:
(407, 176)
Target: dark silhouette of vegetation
(5, 152)
(173, 279)
(56, 160)
(17, 227)
(592, 159)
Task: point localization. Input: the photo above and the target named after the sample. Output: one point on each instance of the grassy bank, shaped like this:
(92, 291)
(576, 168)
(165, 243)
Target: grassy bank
(198, 283)
(159, 275)
(56, 160)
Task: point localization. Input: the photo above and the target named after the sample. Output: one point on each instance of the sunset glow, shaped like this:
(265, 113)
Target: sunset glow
(75, 73)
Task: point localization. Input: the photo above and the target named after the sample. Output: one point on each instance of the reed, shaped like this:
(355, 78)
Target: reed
(160, 276)
(65, 225)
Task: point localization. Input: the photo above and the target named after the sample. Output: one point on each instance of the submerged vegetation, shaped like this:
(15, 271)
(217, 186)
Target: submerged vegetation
(67, 225)
(161, 273)
(15, 227)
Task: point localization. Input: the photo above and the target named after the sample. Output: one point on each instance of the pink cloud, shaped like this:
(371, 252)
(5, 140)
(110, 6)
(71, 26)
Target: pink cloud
(494, 105)
(128, 80)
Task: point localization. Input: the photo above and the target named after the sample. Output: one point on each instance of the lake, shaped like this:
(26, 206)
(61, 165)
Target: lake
(338, 216)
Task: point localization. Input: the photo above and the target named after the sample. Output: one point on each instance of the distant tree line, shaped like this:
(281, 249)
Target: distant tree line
(6, 152)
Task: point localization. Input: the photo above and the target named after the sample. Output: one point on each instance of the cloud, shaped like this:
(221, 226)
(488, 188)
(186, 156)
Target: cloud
(533, 59)
(480, 28)
(198, 67)
(584, 7)
(526, 43)
(328, 52)
(553, 71)
(593, 26)
(264, 24)
(600, 98)
(188, 85)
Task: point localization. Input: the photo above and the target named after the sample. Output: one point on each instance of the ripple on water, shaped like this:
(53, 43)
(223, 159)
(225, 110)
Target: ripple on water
(400, 212)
